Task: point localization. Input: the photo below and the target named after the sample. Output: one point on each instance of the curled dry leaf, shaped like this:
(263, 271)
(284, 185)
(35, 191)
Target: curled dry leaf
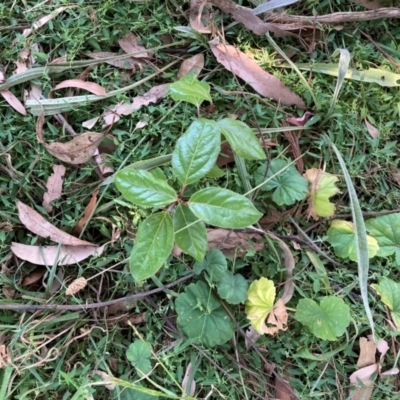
(261, 81)
(78, 150)
(91, 87)
(86, 214)
(196, 11)
(129, 44)
(300, 121)
(13, 101)
(50, 255)
(54, 187)
(105, 378)
(34, 222)
(76, 285)
(374, 132)
(191, 66)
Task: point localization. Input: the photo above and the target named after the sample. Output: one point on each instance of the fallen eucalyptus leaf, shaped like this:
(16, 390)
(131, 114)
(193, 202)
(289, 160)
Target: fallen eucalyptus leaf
(13, 101)
(91, 87)
(54, 187)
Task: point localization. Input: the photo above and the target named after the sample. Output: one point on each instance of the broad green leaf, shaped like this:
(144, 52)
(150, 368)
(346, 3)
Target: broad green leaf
(242, 139)
(223, 208)
(288, 186)
(386, 230)
(189, 89)
(139, 354)
(260, 302)
(232, 288)
(196, 151)
(192, 237)
(390, 295)
(201, 316)
(322, 187)
(141, 187)
(153, 245)
(326, 321)
(215, 172)
(341, 236)
(214, 263)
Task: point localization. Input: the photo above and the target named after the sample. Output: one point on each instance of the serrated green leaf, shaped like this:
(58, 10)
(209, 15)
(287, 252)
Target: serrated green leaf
(288, 186)
(190, 89)
(223, 208)
(260, 302)
(214, 264)
(201, 316)
(322, 187)
(153, 245)
(390, 295)
(341, 236)
(196, 151)
(326, 321)
(139, 354)
(141, 187)
(192, 237)
(232, 288)
(242, 139)
(386, 230)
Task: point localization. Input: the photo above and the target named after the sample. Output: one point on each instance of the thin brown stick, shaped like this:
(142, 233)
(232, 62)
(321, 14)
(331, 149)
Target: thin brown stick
(87, 306)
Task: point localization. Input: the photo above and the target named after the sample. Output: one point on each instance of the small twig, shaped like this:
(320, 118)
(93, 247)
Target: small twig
(14, 28)
(87, 306)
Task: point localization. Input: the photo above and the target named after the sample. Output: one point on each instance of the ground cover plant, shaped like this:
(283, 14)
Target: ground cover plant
(199, 200)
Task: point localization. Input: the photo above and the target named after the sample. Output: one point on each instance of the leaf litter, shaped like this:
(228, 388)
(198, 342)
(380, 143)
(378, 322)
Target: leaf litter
(54, 187)
(91, 87)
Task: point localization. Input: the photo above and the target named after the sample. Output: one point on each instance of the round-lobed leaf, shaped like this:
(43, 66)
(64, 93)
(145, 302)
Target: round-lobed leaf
(214, 263)
(201, 316)
(144, 188)
(223, 208)
(232, 288)
(153, 245)
(196, 151)
(139, 354)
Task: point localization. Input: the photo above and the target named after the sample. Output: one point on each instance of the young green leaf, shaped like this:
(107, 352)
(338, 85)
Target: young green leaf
(326, 321)
(223, 208)
(141, 187)
(196, 151)
(289, 186)
(192, 235)
(201, 316)
(232, 288)
(390, 295)
(189, 89)
(322, 187)
(139, 354)
(341, 236)
(259, 303)
(214, 264)
(242, 139)
(386, 230)
(153, 245)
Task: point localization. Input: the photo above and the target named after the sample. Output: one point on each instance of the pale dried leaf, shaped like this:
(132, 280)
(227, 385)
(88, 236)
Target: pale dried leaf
(54, 187)
(22, 62)
(90, 123)
(103, 165)
(364, 374)
(126, 63)
(261, 81)
(86, 214)
(13, 101)
(34, 222)
(91, 87)
(35, 93)
(196, 10)
(191, 66)
(190, 391)
(105, 378)
(50, 255)
(373, 132)
(389, 372)
(78, 150)
(34, 276)
(300, 121)
(140, 125)
(278, 318)
(76, 285)
(129, 44)
(369, 4)
(367, 353)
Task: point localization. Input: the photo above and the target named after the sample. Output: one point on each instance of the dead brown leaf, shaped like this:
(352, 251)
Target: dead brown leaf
(277, 318)
(34, 276)
(126, 63)
(300, 121)
(283, 391)
(78, 150)
(189, 390)
(86, 214)
(373, 132)
(367, 353)
(49, 255)
(22, 62)
(196, 10)
(261, 81)
(91, 87)
(34, 222)
(54, 187)
(226, 155)
(369, 4)
(363, 375)
(13, 101)
(104, 167)
(191, 66)
(129, 44)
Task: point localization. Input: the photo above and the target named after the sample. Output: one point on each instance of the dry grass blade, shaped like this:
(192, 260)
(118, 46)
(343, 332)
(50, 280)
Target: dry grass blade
(54, 187)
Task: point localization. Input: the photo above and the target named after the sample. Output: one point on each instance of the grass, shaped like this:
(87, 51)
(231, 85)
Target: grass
(55, 355)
